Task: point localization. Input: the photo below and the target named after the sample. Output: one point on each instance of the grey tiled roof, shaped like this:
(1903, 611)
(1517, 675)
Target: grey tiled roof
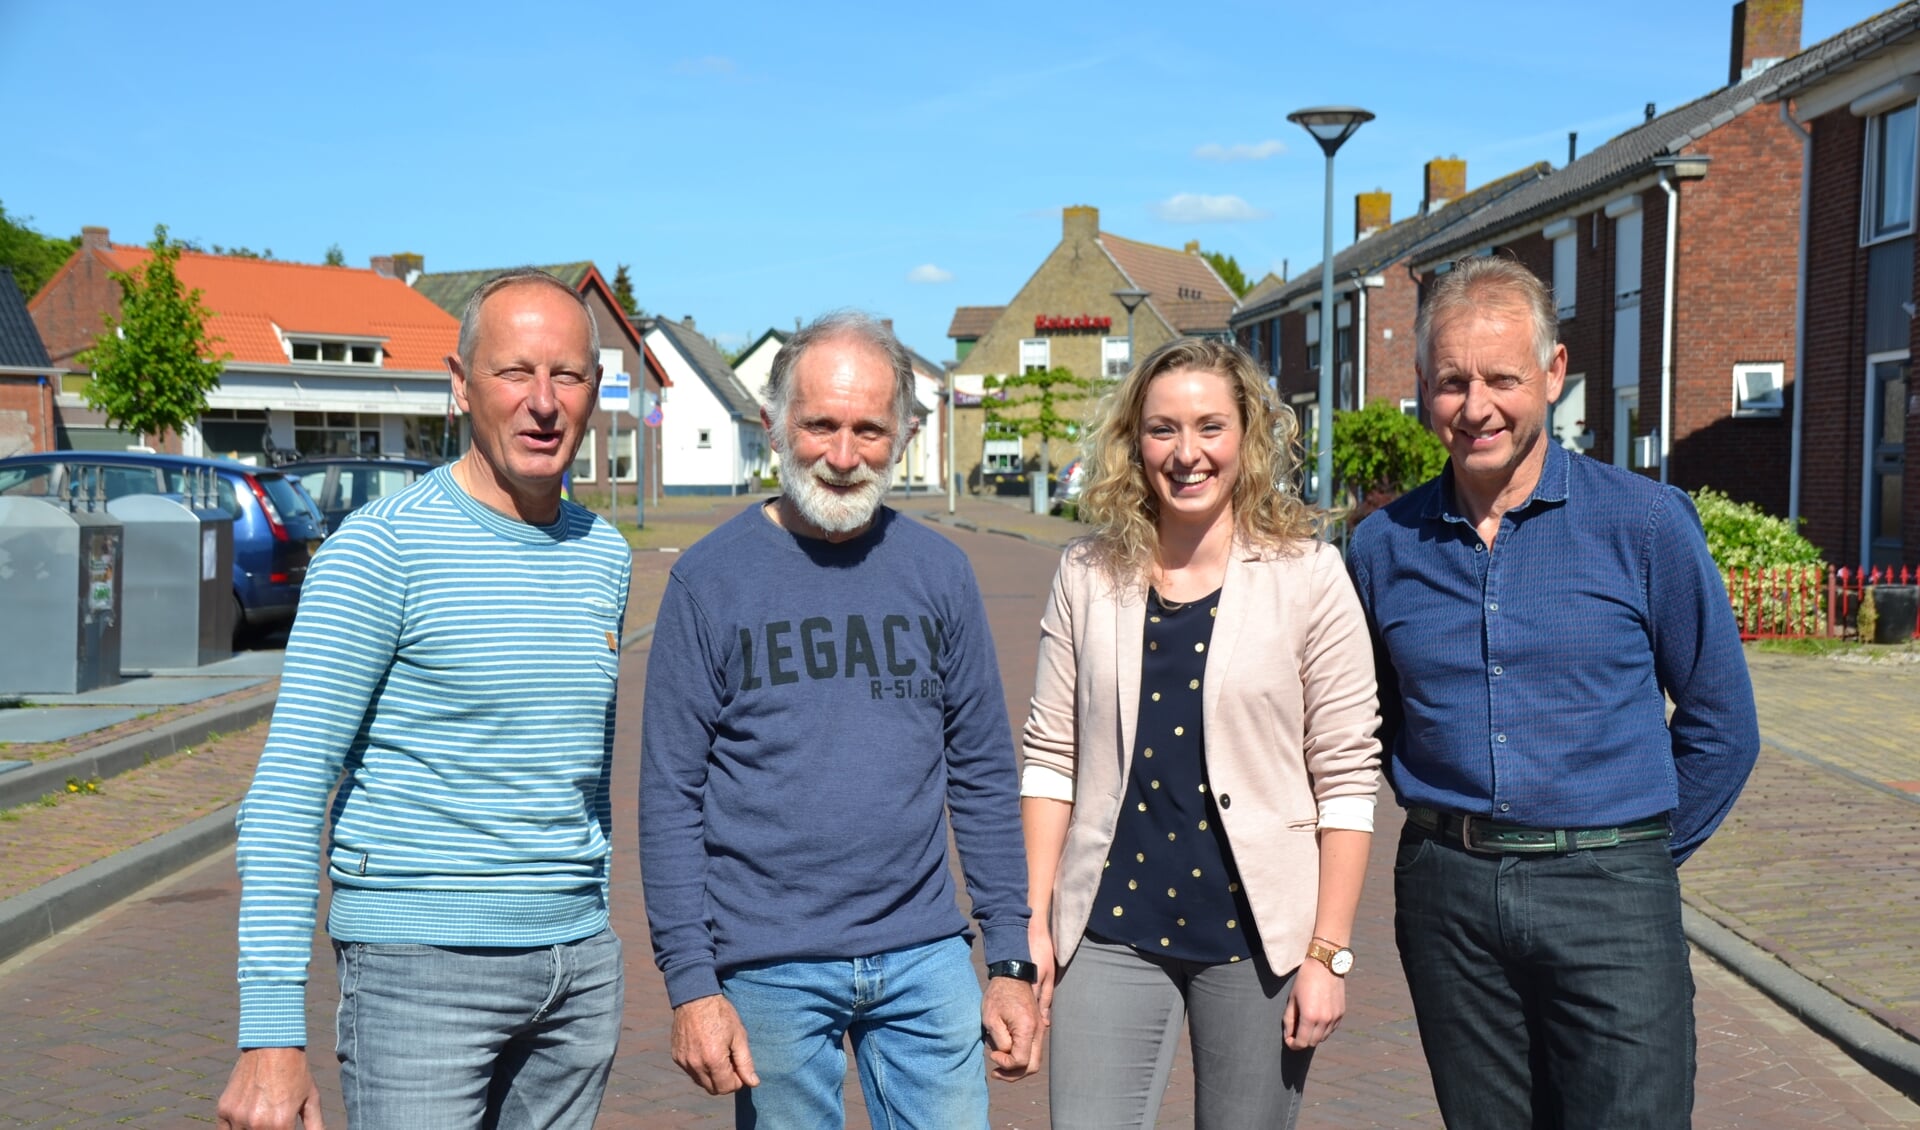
(713, 368)
(450, 290)
(1391, 244)
(1631, 155)
(1834, 54)
(20, 344)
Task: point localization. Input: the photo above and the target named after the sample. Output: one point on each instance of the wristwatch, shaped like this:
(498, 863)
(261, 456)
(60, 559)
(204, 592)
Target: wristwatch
(1337, 959)
(1018, 970)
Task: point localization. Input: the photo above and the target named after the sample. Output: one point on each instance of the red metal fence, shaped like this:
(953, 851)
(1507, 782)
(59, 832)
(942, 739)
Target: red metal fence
(1806, 601)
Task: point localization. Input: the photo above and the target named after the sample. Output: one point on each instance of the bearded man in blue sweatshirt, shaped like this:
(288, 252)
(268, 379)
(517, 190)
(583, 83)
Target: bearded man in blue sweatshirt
(821, 692)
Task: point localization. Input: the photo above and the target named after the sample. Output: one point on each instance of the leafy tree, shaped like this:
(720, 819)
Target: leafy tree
(1382, 450)
(623, 292)
(1042, 391)
(33, 257)
(335, 256)
(1229, 271)
(153, 366)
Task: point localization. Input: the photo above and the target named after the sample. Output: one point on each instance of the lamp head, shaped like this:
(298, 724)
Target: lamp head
(1331, 125)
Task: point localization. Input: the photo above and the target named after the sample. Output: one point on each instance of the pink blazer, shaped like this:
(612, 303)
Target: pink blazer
(1290, 708)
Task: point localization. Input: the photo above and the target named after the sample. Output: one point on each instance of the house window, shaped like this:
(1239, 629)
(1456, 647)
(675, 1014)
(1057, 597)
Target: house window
(1313, 338)
(1888, 209)
(1035, 355)
(1410, 406)
(1565, 257)
(1759, 390)
(621, 452)
(584, 468)
(1116, 357)
(706, 437)
(333, 352)
(1626, 258)
(1001, 451)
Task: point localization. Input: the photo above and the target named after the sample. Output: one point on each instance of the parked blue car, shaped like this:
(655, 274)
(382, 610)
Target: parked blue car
(276, 527)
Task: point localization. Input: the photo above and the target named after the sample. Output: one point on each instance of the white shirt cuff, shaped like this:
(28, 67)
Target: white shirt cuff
(1041, 781)
(1348, 813)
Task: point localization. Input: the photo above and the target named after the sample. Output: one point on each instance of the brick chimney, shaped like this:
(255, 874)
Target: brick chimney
(93, 239)
(1764, 32)
(687, 321)
(1192, 247)
(382, 265)
(1079, 223)
(406, 265)
(1446, 180)
(1372, 211)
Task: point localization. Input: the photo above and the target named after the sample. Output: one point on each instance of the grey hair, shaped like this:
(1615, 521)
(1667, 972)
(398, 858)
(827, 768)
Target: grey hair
(1479, 283)
(520, 276)
(841, 325)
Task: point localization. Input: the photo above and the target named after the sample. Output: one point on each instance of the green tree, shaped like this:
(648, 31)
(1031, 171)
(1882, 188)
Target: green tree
(1229, 271)
(335, 256)
(1382, 450)
(623, 292)
(1032, 407)
(153, 366)
(33, 257)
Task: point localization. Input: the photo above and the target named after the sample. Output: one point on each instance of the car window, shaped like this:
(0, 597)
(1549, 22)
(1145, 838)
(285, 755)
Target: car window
(287, 498)
(313, 481)
(119, 482)
(27, 480)
(228, 501)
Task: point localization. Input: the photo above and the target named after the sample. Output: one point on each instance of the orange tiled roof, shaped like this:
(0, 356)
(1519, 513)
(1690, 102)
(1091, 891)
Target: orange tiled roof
(1185, 290)
(248, 297)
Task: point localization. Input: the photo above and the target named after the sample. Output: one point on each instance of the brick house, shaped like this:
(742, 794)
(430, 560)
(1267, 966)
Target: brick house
(1375, 297)
(1065, 316)
(323, 360)
(1669, 249)
(1856, 407)
(27, 377)
(604, 452)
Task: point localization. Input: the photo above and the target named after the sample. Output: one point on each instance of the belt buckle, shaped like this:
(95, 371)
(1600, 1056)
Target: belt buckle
(1466, 832)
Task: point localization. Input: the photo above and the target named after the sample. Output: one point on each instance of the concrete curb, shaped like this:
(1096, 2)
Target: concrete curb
(115, 757)
(1879, 1049)
(32, 918)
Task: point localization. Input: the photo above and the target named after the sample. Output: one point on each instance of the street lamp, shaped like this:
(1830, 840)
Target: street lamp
(1131, 298)
(1331, 126)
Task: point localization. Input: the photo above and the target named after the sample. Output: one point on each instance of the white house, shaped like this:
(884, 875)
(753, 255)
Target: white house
(710, 427)
(757, 362)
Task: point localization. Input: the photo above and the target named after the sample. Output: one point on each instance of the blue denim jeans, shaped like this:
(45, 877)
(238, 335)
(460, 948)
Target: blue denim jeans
(1551, 990)
(462, 1037)
(912, 1016)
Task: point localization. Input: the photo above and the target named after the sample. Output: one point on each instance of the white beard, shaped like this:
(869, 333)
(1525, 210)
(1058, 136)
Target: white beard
(834, 513)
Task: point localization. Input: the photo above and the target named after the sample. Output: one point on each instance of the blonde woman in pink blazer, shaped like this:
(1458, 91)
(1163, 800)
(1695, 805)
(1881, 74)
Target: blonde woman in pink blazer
(1200, 760)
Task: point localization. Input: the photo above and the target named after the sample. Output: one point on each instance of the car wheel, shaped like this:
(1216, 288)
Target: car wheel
(242, 634)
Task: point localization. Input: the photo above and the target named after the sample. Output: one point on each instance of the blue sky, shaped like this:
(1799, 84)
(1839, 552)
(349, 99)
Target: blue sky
(754, 165)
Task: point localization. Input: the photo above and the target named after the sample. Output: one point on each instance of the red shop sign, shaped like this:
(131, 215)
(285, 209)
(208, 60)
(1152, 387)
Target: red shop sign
(1043, 323)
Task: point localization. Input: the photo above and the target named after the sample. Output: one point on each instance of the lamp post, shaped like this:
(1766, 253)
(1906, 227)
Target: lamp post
(1130, 298)
(1331, 126)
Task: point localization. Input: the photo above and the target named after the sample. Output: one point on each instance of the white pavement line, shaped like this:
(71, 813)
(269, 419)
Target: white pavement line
(1882, 1051)
(45, 911)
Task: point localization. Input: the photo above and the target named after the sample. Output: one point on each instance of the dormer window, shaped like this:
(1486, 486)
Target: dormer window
(333, 351)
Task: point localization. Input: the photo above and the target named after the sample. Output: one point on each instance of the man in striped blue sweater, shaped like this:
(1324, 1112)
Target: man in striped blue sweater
(452, 673)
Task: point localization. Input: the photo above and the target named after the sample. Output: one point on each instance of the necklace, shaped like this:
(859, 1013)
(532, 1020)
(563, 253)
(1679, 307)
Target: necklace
(1167, 605)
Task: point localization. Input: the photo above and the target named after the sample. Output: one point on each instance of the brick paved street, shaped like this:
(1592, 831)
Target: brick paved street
(129, 1021)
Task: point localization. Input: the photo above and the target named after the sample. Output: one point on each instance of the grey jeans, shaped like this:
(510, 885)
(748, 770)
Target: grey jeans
(1117, 1015)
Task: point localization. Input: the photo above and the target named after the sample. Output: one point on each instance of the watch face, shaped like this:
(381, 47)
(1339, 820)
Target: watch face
(1342, 961)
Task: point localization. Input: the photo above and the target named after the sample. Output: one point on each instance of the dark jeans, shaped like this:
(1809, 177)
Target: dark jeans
(1552, 991)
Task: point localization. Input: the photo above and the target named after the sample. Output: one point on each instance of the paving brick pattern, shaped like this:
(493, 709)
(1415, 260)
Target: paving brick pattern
(129, 1020)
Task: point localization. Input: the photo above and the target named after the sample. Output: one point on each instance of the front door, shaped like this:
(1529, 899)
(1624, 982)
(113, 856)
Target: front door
(1887, 426)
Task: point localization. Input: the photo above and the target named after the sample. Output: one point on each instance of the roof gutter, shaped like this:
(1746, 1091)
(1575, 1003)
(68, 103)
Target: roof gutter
(1799, 315)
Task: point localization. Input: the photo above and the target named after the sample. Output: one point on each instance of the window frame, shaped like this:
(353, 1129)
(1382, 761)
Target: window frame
(1872, 159)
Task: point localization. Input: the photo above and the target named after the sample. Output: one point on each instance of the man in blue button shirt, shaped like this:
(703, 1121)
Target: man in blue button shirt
(1534, 611)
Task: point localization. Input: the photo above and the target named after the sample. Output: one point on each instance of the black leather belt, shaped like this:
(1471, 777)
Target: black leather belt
(1477, 833)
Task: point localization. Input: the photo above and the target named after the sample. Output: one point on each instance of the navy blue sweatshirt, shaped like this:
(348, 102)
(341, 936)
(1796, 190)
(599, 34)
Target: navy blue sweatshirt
(813, 711)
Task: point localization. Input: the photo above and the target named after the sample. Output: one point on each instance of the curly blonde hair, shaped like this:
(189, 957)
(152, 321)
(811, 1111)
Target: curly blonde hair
(1268, 511)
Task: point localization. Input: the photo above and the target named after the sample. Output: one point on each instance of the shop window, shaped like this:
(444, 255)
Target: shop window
(234, 433)
(1888, 208)
(336, 433)
(1001, 451)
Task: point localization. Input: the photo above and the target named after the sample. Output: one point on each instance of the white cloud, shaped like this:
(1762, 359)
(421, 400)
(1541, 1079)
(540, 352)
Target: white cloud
(1198, 208)
(1242, 151)
(706, 65)
(928, 273)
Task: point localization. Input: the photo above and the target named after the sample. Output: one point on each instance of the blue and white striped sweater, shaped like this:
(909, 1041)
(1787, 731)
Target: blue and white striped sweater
(457, 668)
